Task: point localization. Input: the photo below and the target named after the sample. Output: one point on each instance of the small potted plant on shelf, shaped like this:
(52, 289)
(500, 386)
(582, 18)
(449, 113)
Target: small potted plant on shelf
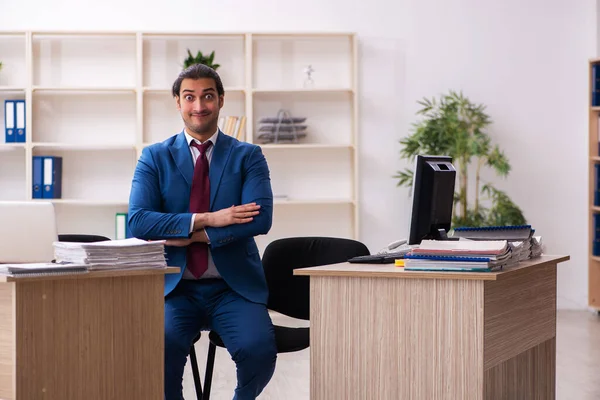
(455, 127)
(200, 59)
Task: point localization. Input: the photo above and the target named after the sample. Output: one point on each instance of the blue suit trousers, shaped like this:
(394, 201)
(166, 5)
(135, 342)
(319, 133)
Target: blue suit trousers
(245, 328)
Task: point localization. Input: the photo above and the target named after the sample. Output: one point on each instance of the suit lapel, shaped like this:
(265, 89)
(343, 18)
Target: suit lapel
(217, 164)
(180, 150)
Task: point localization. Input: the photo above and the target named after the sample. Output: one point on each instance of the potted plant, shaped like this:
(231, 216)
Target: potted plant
(454, 126)
(200, 59)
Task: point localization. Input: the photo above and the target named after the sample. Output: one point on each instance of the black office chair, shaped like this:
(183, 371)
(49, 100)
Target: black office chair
(80, 238)
(288, 294)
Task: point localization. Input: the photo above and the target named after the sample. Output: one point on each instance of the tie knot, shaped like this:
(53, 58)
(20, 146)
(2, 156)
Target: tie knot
(202, 147)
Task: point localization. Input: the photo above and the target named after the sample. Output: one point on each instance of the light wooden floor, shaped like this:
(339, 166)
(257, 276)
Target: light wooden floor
(577, 374)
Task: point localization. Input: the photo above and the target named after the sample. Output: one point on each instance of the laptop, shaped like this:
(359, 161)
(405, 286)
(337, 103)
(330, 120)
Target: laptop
(27, 232)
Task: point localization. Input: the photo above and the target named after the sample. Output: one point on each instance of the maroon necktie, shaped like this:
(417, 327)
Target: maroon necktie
(197, 253)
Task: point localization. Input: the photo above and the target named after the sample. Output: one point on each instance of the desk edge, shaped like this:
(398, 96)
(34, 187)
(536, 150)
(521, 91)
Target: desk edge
(327, 270)
(112, 273)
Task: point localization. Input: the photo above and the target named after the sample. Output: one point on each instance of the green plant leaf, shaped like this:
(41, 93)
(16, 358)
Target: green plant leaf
(405, 177)
(452, 125)
(200, 58)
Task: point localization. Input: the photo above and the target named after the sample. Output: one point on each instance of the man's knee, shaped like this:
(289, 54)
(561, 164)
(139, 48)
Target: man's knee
(259, 350)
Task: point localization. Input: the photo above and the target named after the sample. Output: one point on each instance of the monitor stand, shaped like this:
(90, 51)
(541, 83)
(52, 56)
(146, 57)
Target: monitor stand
(443, 235)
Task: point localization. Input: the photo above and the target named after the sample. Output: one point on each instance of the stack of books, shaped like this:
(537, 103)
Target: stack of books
(460, 255)
(520, 238)
(112, 254)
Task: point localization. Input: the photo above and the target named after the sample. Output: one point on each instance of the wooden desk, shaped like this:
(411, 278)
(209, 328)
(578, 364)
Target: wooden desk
(93, 336)
(379, 332)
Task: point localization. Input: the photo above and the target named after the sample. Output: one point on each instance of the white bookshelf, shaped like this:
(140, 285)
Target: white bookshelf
(98, 98)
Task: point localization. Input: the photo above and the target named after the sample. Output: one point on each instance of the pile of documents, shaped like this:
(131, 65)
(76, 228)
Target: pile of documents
(536, 246)
(460, 255)
(113, 254)
(520, 238)
(521, 250)
(41, 269)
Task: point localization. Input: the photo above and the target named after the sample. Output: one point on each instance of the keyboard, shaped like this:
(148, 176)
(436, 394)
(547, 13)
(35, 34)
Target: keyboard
(382, 258)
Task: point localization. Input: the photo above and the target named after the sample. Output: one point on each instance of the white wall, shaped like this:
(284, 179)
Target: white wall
(525, 59)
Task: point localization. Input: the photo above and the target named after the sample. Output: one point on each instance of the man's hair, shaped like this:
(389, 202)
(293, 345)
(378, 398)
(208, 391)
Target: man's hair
(198, 71)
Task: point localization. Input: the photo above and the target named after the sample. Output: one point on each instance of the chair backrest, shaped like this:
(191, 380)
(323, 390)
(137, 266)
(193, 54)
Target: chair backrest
(81, 238)
(27, 231)
(290, 294)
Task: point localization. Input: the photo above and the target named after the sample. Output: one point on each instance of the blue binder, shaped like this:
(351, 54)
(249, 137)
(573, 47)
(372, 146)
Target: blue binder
(52, 177)
(20, 121)
(38, 177)
(9, 120)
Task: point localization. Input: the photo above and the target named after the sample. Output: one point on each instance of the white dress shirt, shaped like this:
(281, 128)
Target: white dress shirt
(211, 272)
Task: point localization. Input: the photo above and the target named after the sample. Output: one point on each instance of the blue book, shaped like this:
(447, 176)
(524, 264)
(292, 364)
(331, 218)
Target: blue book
(38, 177)
(509, 232)
(52, 177)
(596, 240)
(20, 121)
(597, 184)
(9, 121)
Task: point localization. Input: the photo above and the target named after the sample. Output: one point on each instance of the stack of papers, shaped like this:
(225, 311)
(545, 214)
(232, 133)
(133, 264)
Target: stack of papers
(460, 255)
(521, 250)
(536, 246)
(519, 237)
(41, 269)
(113, 254)
(527, 249)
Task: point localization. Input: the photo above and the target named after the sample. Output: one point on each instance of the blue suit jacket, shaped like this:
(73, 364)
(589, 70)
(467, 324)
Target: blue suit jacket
(159, 207)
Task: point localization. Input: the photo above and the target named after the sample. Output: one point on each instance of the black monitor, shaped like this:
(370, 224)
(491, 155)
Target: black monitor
(432, 198)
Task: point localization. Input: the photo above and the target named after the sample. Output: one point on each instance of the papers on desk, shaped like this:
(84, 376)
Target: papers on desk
(520, 238)
(41, 269)
(113, 254)
(537, 248)
(460, 255)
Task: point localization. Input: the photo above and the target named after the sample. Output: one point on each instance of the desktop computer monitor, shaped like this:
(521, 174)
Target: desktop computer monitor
(434, 178)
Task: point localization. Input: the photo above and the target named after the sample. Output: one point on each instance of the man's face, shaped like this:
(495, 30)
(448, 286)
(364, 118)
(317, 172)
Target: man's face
(199, 105)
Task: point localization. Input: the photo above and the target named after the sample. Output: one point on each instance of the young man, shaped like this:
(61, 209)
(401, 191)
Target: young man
(208, 194)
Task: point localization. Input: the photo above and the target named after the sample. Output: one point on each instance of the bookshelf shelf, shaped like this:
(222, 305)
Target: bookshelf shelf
(91, 203)
(11, 89)
(77, 89)
(304, 90)
(11, 146)
(84, 146)
(305, 146)
(296, 202)
(167, 90)
(96, 99)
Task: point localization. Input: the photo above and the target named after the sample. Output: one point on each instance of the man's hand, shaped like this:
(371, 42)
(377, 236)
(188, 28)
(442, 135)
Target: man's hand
(233, 215)
(198, 236)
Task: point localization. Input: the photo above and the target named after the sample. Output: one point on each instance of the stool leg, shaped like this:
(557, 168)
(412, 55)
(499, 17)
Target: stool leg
(196, 373)
(210, 362)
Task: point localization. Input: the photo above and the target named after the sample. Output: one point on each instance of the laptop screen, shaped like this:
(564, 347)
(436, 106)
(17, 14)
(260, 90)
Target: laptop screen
(27, 231)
